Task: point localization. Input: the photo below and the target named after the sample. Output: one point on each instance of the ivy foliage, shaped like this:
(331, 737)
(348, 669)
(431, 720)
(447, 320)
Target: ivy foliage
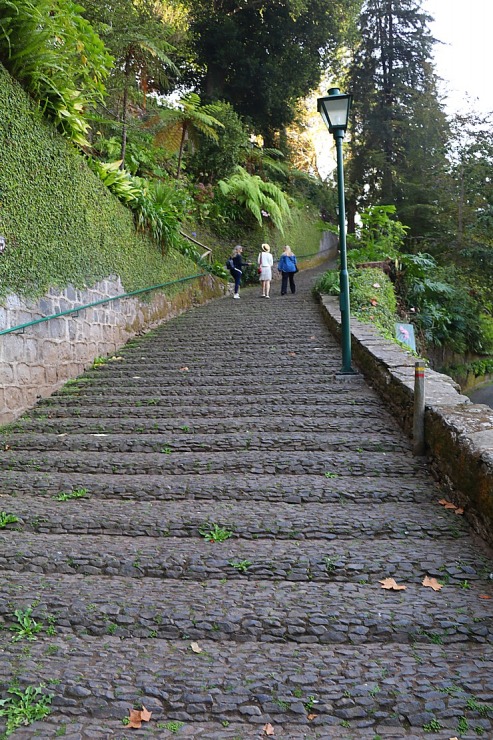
(62, 225)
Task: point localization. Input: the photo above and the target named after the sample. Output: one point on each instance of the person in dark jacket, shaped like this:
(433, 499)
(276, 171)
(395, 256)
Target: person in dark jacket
(288, 268)
(237, 269)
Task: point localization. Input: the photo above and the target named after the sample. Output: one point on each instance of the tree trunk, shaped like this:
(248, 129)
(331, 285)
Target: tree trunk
(126, 82)
(182, 145)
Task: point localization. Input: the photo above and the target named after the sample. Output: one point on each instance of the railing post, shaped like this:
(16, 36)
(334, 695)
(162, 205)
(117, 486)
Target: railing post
(419, 409)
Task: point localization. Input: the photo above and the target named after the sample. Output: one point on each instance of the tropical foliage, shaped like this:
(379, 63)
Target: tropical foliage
(55, 53)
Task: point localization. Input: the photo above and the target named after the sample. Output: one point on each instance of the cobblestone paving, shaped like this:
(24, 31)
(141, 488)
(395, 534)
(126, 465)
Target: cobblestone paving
(233, 421)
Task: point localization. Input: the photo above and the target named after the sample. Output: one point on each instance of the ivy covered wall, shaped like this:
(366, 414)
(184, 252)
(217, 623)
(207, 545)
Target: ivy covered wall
(61, 224)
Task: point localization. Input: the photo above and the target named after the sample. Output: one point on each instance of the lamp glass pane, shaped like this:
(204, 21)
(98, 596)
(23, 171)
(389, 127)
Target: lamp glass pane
(337, 110)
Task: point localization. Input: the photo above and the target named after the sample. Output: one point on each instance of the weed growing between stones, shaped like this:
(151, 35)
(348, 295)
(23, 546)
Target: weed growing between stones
(26, 628)
(6, 519)
(76, 493)
(432, 726)
(240, 565)
(24, 707)
(214, 533)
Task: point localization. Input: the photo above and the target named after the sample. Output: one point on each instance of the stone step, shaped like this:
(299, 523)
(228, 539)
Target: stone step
(251, 462)
(249, 611)
(242, 519)
(149, 409)
(249, 399)
(293, 489)
(133, 386)
(375, 424)
(453, 561)
(365, 442)
(364, 688)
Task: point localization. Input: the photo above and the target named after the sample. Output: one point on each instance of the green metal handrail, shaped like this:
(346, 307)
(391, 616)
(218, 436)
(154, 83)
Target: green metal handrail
(70, 311)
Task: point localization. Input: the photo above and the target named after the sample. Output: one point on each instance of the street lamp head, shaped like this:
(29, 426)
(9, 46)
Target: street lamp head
(334, 109)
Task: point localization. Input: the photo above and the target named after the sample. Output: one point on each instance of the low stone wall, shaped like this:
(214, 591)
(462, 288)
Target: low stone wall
(458, 433)
(36, 362)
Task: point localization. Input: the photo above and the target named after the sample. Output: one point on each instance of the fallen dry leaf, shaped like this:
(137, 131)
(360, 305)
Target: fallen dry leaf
(145, 714)
(484, 596)
(374, 302)
(135, 719)
(292, 354)
(447, 504)
(432, 583)
(196, 647)
(184, 369)
(391, 585)
(268, 729)
(310, 717)
(459, 511)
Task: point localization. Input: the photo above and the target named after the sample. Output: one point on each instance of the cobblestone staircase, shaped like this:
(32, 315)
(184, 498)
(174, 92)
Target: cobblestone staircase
(233, 420)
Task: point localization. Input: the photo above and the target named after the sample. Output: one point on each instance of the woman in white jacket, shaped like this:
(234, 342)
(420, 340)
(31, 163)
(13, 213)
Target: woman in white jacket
(265, 262)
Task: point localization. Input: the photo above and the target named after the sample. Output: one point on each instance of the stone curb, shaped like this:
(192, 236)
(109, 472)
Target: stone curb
(458, 434)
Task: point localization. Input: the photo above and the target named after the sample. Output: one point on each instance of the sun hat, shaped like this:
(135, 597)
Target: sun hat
(265, 248)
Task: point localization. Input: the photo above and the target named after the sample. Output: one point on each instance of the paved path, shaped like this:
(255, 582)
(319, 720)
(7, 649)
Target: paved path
(233, 418)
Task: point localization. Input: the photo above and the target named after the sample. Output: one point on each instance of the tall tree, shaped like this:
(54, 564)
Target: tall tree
(398, 126)
(472, 170)
(137, 34)
(263, 55)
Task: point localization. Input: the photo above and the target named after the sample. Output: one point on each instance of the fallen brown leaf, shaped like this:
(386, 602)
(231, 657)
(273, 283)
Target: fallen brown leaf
(196, 647)
(135, 719)
(459, 511)
(374, 302)
(268, 729)
(447, 504)
(484, 596)
(432, 583)
(145, 714)
(184, 369)
(391, 585)
(310, 717)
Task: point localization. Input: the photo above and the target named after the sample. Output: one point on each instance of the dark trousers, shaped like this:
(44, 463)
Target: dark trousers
(284, 282)
(237, 276)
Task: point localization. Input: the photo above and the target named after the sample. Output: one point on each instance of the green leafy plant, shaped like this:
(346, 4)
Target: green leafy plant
(240, 565)
(432, 726)
(70, 495)
(6, 518)
(26, 628)
(59, 59)
(173, 726)
(214, 533)
(257, 197)
(24, 707)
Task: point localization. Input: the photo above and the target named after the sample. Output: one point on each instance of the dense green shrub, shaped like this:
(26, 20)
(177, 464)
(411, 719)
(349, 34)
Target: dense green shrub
(61, 224)
(371, 296)
(57, 56)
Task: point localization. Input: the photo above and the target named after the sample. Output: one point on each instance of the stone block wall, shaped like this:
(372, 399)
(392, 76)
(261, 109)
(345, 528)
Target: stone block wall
(458, 433)
(35, 363)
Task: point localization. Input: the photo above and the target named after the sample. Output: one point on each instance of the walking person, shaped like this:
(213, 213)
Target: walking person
(237, 269)
(288, 268)
(265, 262)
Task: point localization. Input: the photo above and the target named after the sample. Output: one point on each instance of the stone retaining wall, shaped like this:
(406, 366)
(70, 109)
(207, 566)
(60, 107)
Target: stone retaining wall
(35, 363)
(458, 433)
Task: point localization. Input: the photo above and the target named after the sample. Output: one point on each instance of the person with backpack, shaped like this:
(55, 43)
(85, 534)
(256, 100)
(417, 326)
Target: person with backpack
(288, 268)
(265, 262)
(236, 265)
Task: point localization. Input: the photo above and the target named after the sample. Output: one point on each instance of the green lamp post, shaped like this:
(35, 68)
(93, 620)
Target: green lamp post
(334, 110)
